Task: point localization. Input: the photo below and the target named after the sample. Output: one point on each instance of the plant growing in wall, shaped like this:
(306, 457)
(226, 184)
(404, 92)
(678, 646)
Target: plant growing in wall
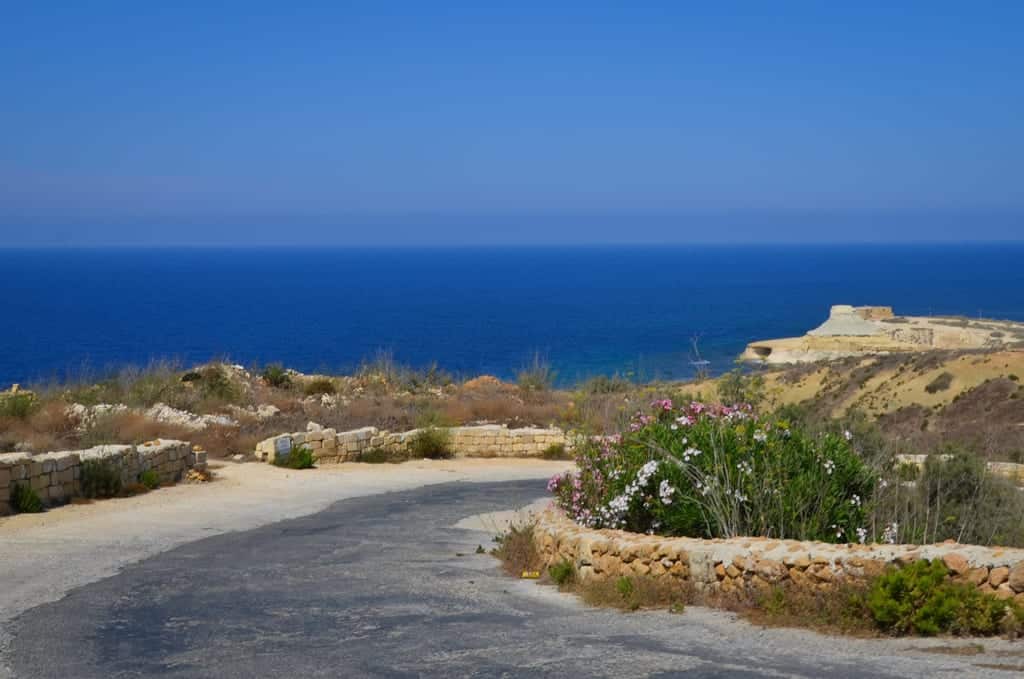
(24, 500)
(432, 443)
(100, 478)
(299, 458)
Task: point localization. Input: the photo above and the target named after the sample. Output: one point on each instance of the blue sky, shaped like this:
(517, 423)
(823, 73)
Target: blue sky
(355, 123)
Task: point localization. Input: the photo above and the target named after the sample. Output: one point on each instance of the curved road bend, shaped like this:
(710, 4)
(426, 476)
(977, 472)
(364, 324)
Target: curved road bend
(375, 587)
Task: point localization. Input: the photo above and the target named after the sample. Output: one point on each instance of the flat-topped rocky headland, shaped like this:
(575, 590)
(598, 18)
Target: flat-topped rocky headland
(873, 330)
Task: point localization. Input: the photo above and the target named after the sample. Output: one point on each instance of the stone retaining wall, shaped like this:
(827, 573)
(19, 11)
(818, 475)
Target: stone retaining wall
(56, 477)
(1009, 470)
(750, 564)
(478, 441)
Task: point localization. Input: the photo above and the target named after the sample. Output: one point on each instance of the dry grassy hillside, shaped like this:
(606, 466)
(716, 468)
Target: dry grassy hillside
(921, 400)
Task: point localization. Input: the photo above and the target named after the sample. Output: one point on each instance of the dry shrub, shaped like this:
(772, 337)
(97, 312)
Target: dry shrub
(517, 550)
(382, 412)
(634, 592)
(49, 427)
(484, 383)
(502, 407)
(129, 427)
(53, 418)
(842, 609)
(221, 441)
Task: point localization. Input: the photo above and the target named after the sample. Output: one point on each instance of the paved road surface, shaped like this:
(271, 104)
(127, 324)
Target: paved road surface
(374, 586)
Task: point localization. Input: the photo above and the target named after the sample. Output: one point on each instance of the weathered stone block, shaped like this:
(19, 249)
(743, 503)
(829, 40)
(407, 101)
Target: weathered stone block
(1016, 578)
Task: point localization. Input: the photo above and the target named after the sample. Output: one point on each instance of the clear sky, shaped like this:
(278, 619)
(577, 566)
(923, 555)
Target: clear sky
(354, 123)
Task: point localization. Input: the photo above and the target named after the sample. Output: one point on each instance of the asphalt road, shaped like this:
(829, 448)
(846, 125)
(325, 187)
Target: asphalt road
(376, 586)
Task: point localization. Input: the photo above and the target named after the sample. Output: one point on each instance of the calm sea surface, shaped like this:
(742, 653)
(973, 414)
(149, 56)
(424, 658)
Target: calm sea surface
(588, 311)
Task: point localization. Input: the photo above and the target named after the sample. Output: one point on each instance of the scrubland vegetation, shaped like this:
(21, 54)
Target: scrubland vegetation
(917, 599)
(893, 402)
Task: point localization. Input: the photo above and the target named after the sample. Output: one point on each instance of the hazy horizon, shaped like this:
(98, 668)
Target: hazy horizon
(544, 123)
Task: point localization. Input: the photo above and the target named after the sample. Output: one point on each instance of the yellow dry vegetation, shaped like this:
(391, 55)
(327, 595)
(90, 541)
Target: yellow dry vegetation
(892, 388)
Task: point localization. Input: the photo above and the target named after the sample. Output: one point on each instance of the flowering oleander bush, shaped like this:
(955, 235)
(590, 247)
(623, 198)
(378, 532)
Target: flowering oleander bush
(712, 471)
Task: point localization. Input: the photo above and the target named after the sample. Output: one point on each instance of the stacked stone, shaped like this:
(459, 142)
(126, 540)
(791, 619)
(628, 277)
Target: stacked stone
(52, 476)
(123, 458)
(500, 441)
(475, 441)
(740, 565)
(1008, 470)
(56, 477)
(169, 459)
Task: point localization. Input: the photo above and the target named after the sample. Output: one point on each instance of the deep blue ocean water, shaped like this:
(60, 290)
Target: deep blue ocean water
(588, 311)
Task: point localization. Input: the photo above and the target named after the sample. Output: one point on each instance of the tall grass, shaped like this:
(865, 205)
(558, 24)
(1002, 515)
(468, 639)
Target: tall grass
(537, 376)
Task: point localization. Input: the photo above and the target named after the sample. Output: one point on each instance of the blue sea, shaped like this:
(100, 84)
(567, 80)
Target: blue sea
(635, 311)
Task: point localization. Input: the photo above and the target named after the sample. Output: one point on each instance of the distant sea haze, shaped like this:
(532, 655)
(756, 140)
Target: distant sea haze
(634, 311)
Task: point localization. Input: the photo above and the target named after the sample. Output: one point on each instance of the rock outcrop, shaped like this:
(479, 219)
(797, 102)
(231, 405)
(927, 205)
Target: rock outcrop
(874, 330)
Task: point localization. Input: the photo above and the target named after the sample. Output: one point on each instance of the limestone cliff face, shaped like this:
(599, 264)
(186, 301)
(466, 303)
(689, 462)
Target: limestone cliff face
(869, 330)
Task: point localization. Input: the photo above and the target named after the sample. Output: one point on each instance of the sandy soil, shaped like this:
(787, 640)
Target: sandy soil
(43, 556)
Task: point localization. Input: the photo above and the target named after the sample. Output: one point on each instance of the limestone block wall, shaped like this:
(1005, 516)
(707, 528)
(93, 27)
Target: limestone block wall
(475, 441)
(749, 564)
(1010, 470)
(56, 476)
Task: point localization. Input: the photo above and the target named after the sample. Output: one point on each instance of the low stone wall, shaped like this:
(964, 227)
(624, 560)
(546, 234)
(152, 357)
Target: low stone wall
(478, 441)
(56, 477)
(1009, 470)
(750, 564)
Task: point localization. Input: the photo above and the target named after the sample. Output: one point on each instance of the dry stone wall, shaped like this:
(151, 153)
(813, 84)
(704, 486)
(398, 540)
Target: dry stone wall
(1010, 470)
(56, 477)
(739, 565)
(331, 446)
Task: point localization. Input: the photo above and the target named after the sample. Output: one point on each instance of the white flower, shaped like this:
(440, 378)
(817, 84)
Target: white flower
(665, 492)
(862, 535)
(760, 436)
(891, 533)
(830, 467)
(847, 435)
(689, 454)
(855, 500)
(745, 467)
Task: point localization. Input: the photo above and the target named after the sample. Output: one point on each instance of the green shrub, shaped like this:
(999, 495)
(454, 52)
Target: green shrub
(920, 599)
(537, 376)
(24, 500)
(144, 387)
(100, 478)
(556, 451)
(736, 387)
(381, 456)
(215, 384)
(940, 383)
(606, 385)
(432, 443)
(300, 457)
(562, 572)
(713, 471)
(953, 496)
(276, 376)
(18, 406)
(150, 479)
(320, 386)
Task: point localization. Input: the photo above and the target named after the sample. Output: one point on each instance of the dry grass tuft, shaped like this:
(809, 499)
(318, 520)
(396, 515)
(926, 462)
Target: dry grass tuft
(632, 593)
(517, 550)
